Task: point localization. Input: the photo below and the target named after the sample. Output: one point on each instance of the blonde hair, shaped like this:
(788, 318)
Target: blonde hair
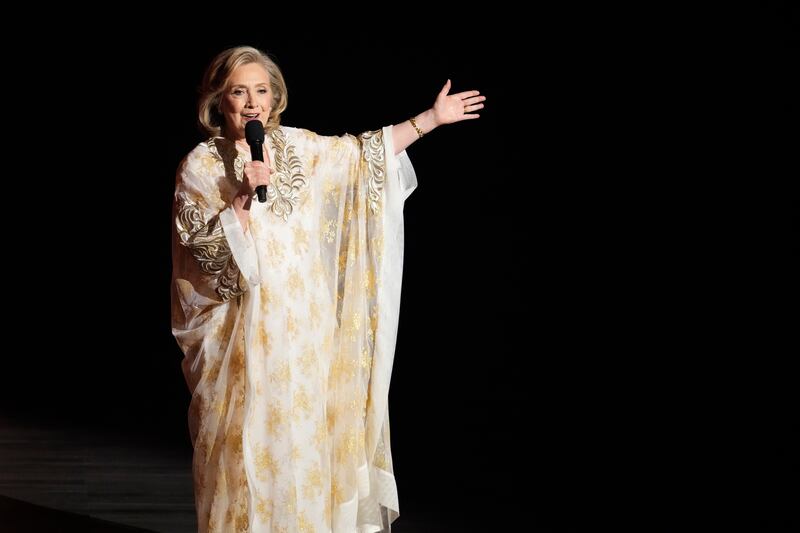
(215, 81)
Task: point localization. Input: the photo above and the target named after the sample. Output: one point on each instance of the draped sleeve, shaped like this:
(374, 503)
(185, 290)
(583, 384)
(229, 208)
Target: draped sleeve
(362, 186)
(213, 260)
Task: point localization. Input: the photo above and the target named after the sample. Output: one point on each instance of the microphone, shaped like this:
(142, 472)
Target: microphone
(254, 133)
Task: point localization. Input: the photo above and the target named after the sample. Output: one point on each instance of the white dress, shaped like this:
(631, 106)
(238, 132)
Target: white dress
(289, 331)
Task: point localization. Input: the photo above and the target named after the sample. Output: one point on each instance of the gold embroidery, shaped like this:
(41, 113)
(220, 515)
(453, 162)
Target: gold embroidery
(331, 191)
(302, 404)
(373, 319)
(307, 361)
(354, 326)
(266, 300)
(281, 376)
(308, 492)
(348, 214)
(207, 164)
(240, 397)
(369, 283)
(275, 251)
(356, 405)
(313, 485)
(294, 454)
(340, 456)
(242, 522)
(329, 230)
(210, 164)
(300, 240)
(373, 153)
(342, 370)
(303, 525)
(377, 244)
(288, 180)
(312, 164)
(226, 153)
(262, 510)
(276, 420)
(331, 418)
(210, 248)
(337, 492)
(295, 283)
(321, 433)
(337, 370)
(290, 502)
(381, 457)
(265, 463)
(236, 364)
(264, 339)
(291, 325)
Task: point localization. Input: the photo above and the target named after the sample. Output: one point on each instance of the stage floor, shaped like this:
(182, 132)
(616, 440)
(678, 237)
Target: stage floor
(60, 478)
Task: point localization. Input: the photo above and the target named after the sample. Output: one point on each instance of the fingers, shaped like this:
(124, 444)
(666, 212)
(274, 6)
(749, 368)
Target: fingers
(472, 104)
(467, 94)
(473, 100)
(257, 173)
(445, 89)
(472, 108)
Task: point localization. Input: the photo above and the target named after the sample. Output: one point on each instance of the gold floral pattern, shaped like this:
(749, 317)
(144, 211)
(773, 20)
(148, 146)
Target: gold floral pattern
(288, 181)
(289, 383)
(210, 248)
(372, 152)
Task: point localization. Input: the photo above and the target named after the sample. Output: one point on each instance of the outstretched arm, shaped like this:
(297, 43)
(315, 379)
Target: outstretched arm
(447, 108)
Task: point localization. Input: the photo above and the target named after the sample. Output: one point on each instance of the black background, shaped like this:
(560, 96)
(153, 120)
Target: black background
(559, 349)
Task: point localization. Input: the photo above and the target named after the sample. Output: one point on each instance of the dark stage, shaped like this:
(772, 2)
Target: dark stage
(551, 371)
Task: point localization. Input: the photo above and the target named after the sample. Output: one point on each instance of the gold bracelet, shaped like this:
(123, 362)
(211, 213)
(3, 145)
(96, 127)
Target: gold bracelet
(414, 123)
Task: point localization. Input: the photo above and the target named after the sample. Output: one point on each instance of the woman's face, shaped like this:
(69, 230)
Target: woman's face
(247, 97)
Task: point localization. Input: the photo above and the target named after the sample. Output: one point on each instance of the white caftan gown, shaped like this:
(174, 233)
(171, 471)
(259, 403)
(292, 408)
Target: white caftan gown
(289, 331)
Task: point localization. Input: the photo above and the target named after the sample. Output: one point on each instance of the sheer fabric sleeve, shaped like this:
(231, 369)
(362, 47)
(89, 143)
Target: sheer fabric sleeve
(214, 261)
(363, 186)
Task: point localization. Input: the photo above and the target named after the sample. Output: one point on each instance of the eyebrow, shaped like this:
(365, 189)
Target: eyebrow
(245, 86)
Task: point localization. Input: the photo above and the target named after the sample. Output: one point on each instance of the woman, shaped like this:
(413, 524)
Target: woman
(287, 310)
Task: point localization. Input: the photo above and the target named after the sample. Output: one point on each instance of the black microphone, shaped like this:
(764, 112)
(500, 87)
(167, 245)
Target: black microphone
(254, 133)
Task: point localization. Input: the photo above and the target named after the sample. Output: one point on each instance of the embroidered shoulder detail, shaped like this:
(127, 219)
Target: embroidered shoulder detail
(373, 153)
(288, 180)
(231, 159)
(210, 248)
(212, 148)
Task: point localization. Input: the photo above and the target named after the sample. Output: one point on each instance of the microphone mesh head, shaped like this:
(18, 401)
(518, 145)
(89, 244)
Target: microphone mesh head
(254, 132)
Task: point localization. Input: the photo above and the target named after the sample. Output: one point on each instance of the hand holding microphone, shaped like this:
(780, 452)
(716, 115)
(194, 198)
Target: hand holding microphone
(257, 174)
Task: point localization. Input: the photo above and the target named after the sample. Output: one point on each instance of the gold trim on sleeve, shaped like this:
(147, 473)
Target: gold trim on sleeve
(373, 153)
(210, 248)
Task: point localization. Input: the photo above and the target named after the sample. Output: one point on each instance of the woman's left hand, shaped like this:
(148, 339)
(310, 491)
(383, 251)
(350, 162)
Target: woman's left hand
(450, 108)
